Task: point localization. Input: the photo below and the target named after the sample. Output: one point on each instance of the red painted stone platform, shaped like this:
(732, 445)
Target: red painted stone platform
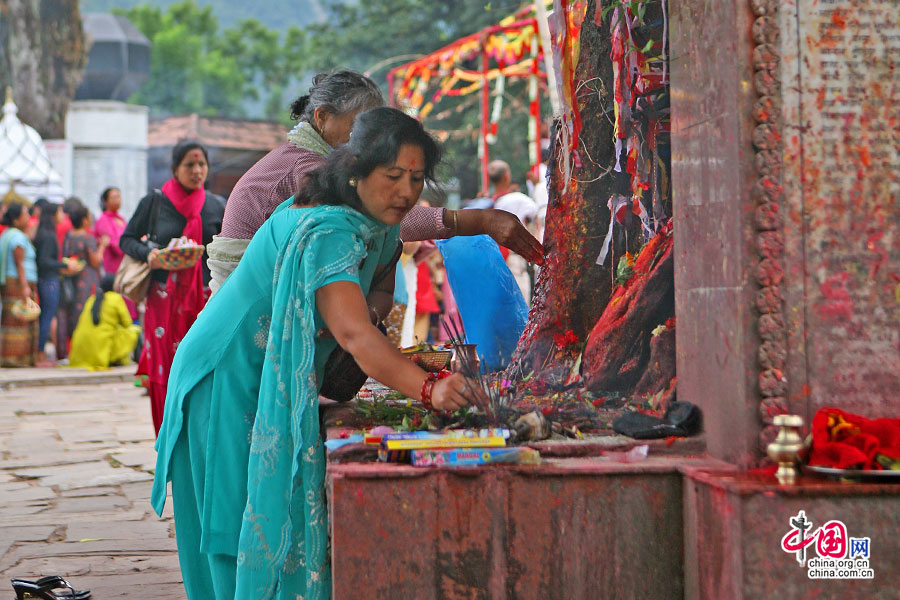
(734, 523)
(591, 527)
(568, 528)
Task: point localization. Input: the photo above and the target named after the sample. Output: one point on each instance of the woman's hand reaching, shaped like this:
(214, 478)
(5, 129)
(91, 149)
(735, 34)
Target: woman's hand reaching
(455, 392)
(505, 228)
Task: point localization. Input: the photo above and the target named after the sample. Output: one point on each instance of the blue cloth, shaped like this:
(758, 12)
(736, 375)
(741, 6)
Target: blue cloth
(489, 300)
(16, 239)
(215, 573)
(48, 292)
(401, 296)
(244, 384)
(356, 438)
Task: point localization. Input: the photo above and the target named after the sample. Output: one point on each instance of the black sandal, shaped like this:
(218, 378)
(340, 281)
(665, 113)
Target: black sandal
(43, 589)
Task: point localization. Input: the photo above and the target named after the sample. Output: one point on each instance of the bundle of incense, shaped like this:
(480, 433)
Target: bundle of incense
(470, 457)
(456, 438)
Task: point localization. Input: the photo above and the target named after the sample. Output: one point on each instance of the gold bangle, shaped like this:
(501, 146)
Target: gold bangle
(455, 224)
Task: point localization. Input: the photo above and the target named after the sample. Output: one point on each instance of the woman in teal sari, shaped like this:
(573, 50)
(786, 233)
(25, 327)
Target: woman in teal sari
(240, 440)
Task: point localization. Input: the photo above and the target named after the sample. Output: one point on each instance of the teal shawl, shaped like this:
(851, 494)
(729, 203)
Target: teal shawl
(283, 549)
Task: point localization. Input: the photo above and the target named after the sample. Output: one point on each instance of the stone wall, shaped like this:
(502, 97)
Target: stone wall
(785, 145)
(109, 149)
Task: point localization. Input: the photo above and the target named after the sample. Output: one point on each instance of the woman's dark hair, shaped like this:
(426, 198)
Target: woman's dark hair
(13, 212)
(182, 148)
(47, 221)
(71, 203)
(106, 285)
(338, 92)
(105, 194)
(77, 216)
(377, 136)
(38, 205)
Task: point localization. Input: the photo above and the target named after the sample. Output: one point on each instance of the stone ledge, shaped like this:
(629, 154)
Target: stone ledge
(11, 378)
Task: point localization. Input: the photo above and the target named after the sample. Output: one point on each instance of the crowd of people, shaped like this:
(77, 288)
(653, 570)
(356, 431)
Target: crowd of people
(53, 257)
(322, 254)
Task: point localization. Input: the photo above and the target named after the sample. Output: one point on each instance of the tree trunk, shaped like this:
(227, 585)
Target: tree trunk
(577, 300)
(618, 349)
(42, 56)
(572, 290)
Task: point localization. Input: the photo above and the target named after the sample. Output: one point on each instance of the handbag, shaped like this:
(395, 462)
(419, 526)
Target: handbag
(26, 309)
(343, 378)
(132, 278)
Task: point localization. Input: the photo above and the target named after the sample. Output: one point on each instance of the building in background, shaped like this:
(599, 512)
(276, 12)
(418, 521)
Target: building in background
(234, 145)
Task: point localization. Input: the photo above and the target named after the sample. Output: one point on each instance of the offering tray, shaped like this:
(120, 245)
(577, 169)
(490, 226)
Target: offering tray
(180, 257)
(854, 474)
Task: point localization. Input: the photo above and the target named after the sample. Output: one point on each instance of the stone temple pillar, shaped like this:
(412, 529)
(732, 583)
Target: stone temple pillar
(785, 150)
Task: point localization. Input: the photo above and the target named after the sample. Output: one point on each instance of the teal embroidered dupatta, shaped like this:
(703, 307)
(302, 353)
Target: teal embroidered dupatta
(283, 548)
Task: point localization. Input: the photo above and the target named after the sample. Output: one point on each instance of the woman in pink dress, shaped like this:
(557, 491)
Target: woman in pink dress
(112, 224)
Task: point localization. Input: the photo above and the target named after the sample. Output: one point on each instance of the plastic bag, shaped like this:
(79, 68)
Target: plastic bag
(490, 303)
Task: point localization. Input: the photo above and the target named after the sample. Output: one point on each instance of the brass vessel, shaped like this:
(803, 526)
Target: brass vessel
(785, 449)
(465, 355)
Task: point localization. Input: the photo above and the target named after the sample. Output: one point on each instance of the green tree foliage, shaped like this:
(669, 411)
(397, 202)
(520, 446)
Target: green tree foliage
(363, 34)
(277, 14)
(251, 70)
(195, 68)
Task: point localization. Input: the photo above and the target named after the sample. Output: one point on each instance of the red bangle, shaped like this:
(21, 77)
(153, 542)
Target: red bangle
(428, 388)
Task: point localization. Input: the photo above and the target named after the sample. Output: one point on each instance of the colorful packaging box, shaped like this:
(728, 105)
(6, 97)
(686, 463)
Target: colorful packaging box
(470, 457)
(456, 438)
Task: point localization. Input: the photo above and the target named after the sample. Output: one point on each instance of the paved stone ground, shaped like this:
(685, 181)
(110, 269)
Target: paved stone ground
(76, 466)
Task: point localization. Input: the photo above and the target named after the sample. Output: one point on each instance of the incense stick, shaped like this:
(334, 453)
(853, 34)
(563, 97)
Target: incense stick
(457, 338)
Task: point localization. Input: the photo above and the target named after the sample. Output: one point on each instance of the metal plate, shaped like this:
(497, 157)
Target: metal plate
(856, 474)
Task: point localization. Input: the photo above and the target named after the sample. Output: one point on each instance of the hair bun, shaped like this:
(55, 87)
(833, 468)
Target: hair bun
(298, 107)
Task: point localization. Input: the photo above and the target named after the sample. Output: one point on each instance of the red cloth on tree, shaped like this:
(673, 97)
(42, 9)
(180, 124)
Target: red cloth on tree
(846, 441)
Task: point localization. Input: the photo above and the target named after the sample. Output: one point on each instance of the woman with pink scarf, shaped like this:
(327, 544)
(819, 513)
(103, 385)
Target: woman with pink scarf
(175, 298)
(111, 224)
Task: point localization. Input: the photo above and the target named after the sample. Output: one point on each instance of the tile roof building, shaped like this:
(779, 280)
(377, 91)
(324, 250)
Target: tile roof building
(234, 145)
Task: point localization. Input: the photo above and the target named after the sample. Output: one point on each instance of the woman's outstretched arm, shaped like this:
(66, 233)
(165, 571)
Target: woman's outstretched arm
(343, 307)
